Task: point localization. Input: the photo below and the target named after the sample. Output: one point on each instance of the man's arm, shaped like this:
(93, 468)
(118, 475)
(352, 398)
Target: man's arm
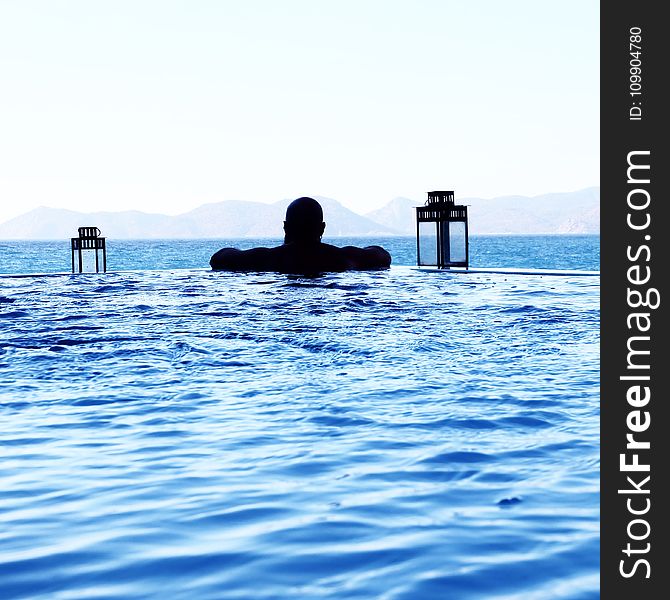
(232, 259)
(371, 257)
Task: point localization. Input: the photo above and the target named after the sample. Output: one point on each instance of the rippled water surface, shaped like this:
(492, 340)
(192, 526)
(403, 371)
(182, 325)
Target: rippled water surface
(404, 434)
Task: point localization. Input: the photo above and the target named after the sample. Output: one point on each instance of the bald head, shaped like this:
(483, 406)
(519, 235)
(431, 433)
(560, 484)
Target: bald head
(304, 221)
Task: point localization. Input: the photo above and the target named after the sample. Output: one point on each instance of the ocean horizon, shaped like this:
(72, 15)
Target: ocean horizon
(554, 251)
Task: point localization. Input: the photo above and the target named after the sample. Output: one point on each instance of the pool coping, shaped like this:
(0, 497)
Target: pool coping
(454, 271)
(512, 271)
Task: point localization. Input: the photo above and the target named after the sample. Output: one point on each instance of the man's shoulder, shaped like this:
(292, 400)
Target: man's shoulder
(370, 257)
(330, 248)
(233, 259)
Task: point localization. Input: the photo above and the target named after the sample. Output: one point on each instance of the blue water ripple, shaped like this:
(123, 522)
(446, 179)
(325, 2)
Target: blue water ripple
(363, 435)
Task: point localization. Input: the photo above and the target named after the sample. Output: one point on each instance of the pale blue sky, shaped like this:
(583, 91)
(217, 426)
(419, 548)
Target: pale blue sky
(163, 105)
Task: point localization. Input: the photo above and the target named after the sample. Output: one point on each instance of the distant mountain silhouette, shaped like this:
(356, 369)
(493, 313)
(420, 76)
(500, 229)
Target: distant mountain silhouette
(227, 219)
(398, 215)
(574, 212)
(571, 212)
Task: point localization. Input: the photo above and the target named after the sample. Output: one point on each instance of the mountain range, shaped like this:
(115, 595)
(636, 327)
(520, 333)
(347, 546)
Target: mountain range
(571, 212)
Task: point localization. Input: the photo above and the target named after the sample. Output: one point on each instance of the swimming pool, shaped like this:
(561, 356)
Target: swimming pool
(400, 434)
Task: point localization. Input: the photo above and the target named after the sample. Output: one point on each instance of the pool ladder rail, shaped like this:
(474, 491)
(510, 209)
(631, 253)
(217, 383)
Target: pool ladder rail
(89, 239)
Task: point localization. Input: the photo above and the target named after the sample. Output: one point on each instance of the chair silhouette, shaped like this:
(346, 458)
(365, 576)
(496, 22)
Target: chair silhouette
(89, 239)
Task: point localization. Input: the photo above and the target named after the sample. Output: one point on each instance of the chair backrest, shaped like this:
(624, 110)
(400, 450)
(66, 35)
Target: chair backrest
(88, 232)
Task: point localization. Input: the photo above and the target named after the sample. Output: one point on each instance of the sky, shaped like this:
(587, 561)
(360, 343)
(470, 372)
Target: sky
(164, 105)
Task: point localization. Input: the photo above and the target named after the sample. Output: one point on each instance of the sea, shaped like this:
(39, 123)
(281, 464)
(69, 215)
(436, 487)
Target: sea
(169, 432)
(507, 251)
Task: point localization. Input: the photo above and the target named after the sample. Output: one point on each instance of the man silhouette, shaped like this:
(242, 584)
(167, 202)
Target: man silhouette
(302, 250)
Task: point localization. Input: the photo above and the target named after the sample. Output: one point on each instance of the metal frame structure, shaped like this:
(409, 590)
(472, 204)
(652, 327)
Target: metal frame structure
(89, 239)
(441, 210)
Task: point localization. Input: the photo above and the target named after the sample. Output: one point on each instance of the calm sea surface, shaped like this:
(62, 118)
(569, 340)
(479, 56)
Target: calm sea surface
(400, 434)
(536, 251)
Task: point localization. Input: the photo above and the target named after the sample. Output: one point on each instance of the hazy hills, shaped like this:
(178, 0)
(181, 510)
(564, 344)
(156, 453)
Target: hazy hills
(574, 212)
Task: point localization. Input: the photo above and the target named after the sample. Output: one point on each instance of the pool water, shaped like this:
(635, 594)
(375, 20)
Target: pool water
(400, 434)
